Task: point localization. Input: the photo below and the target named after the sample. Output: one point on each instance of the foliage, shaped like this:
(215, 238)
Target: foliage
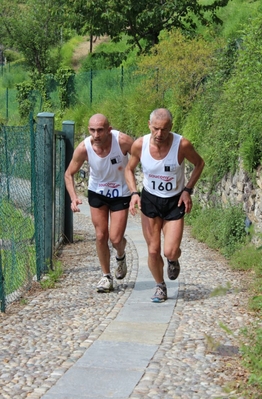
(18, 230)
(227, 112)
(253, 356)
(33, 28)
(66, 87)
(106, 56)
(234, 16)
(52, 276)
(26, 99)
(67, 50)
(246, 258)
(139, 20)
(11, 55)
(222, 229)
(179, 81)
(10, 79)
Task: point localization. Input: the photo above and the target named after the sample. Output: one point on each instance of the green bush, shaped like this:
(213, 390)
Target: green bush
(222, 229)
(246, 258)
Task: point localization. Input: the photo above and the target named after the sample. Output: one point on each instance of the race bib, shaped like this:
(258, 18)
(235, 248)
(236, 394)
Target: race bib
(109, 189)
(162, 183)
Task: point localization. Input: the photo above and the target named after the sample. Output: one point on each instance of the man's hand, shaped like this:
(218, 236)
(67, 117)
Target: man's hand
(75, 203)
(186, 198)
(135, 204)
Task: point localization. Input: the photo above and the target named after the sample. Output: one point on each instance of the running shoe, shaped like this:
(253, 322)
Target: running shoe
(105, 284)
(121, 269)
(173, 269)
(160, 294)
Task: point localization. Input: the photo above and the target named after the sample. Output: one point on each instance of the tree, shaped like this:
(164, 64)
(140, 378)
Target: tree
(179, 65)
(143, 19)
(33, 28)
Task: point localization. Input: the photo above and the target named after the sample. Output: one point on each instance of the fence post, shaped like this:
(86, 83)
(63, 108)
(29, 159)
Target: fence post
(122, 79)
(45, 126)
(2, 287)
(69, 131)
(91, 86)
(7, 101)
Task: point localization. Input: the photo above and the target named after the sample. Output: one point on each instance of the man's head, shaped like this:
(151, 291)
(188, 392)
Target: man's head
(99, 128)
(161, 113)
(160, 124)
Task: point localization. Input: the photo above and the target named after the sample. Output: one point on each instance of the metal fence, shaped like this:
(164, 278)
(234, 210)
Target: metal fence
(85, 88)
(34, 216)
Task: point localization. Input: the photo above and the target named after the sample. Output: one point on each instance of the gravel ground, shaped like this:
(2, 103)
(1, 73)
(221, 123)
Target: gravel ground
(197, 359)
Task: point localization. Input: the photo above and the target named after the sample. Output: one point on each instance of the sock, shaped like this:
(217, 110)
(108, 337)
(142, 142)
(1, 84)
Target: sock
(107, 275)
(121, 257)
(163, 284)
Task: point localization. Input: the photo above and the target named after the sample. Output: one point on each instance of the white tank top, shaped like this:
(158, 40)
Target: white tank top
(164, 177)
(106, 175)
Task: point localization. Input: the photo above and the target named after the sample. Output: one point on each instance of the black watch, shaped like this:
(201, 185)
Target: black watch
(134, 193)
(188, 190)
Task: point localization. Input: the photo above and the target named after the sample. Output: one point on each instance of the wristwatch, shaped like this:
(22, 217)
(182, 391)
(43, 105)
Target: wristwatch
(188, 190)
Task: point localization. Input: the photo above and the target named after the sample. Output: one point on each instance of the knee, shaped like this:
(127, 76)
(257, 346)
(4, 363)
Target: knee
(101, 236)
(154, 252)
(116, 241)
(172, 253)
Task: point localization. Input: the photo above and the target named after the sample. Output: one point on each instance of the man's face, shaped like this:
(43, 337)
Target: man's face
(99, 130)
(160, 129)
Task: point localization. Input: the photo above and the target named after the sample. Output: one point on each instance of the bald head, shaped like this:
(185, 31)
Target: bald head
(99, 119)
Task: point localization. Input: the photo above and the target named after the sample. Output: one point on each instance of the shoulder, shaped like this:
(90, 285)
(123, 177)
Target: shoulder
(80, 151)
(137, 146)
(81, 147)
(185, 143)
(125, 142)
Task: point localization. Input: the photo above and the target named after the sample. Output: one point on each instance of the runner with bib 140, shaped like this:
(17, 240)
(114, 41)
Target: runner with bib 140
(106, 151)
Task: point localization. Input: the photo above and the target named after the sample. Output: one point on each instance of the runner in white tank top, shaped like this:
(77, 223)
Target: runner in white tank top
(106, 174)
(107, 151)
(163, 177)
(165, 198)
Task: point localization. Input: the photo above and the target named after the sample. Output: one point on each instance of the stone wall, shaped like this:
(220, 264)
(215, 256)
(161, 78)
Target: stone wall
(239, 189)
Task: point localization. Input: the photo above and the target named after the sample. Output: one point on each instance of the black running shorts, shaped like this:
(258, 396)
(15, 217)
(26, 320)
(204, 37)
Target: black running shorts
(114, 204)
(165, 208)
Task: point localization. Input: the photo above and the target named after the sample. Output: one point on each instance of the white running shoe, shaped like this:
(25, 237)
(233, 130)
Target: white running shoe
(105, 284)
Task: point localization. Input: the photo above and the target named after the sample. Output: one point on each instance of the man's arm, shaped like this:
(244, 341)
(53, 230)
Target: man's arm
(187, 151)
(130, 174)
(79, 156)
(125, 143)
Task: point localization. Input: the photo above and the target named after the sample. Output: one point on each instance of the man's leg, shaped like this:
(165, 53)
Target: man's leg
(100, 221)
(173, 232)
(152, 233)
(118, 221)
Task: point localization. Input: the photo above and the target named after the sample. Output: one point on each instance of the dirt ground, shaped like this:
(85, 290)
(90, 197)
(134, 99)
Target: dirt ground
(82, 50)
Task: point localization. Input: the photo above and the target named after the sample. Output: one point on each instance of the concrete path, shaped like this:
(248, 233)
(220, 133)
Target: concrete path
(114, 364)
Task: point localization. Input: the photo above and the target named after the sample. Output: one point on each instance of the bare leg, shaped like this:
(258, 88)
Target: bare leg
(152, 233)
(100, 222)
(118, 221)
(173, 232)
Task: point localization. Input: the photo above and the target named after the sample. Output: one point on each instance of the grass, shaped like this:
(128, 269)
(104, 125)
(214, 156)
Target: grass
(53, 276)
(224, 230)
(18, 256)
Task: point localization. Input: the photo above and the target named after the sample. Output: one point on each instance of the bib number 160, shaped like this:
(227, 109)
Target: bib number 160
(168, 186)
(110, 193)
